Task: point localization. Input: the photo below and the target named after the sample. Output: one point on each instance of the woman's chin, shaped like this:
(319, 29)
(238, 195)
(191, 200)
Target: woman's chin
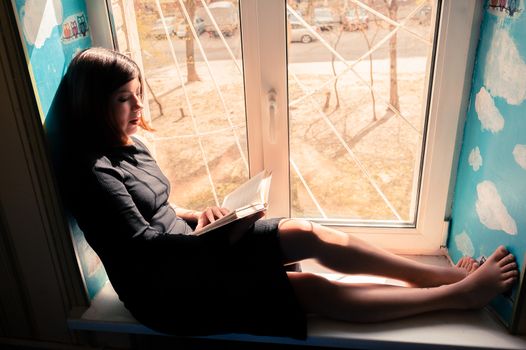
(131, 130)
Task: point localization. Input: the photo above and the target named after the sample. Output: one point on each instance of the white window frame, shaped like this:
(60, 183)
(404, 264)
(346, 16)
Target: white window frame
(457, 38)
(265, 69)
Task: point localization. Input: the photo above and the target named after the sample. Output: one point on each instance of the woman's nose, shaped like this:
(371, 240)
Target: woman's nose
(138, 103)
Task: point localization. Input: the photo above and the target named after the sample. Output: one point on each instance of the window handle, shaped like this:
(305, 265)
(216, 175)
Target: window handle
(272, 109)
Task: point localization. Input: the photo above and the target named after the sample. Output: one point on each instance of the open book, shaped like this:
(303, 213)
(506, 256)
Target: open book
(249, 198)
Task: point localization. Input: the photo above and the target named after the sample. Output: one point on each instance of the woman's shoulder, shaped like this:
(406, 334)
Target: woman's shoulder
(100, 160)
(104, 173)
(104, 163)
(140, 144)
(112, 160)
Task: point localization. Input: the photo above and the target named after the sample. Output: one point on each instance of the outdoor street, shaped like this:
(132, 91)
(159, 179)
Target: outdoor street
(351, 45)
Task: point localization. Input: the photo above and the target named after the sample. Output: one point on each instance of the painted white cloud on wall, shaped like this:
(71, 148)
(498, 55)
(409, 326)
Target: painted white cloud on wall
(505, 70)
(475, 159)
(39, 17)
(464, 244)
(519, 153)
(491, 211)
(487, 112)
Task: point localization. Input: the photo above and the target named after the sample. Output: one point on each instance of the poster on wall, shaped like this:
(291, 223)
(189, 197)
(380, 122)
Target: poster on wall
(489, 201)
(52, 33)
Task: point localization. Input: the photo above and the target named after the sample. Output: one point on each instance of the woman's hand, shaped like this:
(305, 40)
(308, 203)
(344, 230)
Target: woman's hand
(209, 215)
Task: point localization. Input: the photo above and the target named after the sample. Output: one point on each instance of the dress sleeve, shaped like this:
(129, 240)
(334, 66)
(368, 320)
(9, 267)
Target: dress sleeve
(124, 214)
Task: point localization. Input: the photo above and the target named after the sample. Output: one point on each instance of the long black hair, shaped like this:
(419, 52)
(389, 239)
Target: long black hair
(80, 122)
(92, 77)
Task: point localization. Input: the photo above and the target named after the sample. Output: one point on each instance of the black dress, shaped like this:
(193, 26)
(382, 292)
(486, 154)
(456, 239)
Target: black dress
(171, 280)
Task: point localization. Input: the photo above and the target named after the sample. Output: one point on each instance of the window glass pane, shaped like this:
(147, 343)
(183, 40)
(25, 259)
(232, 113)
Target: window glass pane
(195, 95)
(358, 77)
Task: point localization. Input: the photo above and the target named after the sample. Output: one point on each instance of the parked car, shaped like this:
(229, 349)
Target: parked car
(199, 27)
(298, 33)
(157, 30)
(292, 19)
(424, 15)
(355, 19)
(325, 18)
(225, 15)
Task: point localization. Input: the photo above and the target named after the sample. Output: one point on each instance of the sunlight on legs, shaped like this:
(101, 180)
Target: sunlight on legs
(345, 253)
(374, 303)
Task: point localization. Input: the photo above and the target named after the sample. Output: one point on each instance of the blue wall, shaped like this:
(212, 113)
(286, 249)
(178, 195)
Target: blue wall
(52, 32)
(489, 206)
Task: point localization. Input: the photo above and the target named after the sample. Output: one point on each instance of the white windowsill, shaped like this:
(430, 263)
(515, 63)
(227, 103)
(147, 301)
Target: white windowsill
(448, 329)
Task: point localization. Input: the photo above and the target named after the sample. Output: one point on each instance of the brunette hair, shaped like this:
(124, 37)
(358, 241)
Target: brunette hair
(92, 77)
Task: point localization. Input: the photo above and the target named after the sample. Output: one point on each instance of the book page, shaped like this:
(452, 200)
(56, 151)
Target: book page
(253, 191)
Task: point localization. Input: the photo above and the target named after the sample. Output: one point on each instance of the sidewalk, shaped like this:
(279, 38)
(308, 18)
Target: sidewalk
(225, 71)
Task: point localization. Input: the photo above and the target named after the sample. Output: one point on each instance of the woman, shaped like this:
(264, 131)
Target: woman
(232, 279)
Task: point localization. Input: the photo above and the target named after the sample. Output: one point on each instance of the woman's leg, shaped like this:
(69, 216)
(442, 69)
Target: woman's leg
(301, 239)
(374, 303)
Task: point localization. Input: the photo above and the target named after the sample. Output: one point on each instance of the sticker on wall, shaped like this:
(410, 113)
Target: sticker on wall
(505, 69)
(75, 27)
(510, 8)
(488, 114)
(38, 20)
(464, 244)
(475, 159)
(491, 211)
(519, 153)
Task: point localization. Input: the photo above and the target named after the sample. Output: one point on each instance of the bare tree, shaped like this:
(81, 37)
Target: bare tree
(363, 26)
(335, 84)
(190, 51)
(392, 7)
(309, 16)
(371, 75)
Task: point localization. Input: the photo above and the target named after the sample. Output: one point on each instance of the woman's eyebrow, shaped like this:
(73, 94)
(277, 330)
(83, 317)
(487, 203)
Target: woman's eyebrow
(126, 90)
(122, 91)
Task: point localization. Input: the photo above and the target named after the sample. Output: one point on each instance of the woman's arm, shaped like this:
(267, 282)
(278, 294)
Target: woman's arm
(121, 213)
(188, 215)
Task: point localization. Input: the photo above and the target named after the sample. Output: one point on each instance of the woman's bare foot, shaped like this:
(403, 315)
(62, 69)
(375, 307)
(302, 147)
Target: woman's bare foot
(438, 276)
(495, 276)
(467, 265)
(462, 269)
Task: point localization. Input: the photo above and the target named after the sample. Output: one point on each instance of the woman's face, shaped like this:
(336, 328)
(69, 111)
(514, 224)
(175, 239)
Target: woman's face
(126, 104)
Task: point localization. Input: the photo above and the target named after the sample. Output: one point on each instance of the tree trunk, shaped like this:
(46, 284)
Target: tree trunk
(310, 12)
(335, 85)
(368, 42)
(190, 58)
(393, 91)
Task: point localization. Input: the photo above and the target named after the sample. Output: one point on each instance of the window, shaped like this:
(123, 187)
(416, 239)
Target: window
(309, 90)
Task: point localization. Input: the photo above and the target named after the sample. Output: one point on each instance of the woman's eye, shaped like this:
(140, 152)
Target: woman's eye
(122, 99)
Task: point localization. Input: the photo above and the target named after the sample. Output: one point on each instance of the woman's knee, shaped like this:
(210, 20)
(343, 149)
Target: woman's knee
(298, 239)
(296, 225)
(315, 233)
(299, 230)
